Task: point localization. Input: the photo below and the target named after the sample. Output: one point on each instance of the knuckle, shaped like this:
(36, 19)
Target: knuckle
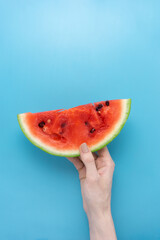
(111, 164)
(88, 159)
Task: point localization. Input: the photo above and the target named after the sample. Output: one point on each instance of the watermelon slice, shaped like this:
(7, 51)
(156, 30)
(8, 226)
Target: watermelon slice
(60, 132)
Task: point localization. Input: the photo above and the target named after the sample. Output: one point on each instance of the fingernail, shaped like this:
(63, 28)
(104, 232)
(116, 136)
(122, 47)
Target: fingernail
(84, 148)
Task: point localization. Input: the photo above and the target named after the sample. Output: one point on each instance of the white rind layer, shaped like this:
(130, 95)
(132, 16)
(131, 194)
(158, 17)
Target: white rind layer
(72, 153)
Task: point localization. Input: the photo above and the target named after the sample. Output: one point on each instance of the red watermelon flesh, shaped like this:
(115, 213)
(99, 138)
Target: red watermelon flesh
(61, 132)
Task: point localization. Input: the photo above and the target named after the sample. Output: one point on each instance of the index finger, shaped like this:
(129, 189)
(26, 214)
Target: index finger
(76, 162)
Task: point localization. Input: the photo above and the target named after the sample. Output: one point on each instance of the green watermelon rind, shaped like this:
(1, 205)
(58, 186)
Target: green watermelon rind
(106, 141)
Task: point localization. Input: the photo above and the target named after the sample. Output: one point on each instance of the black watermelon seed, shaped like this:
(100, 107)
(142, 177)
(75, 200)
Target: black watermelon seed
(41, 124)
(92, 130)
(107, 103)
(86, 123)
(99, 107)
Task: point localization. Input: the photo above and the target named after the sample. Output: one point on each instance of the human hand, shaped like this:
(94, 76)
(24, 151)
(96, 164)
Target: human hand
(95, 173)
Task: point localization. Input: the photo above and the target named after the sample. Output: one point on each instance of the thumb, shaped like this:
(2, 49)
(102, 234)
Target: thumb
(88, 160)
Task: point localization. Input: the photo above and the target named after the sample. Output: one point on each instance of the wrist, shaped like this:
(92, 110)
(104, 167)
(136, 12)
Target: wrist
(101, 226)
(99, 212)
(99, 217)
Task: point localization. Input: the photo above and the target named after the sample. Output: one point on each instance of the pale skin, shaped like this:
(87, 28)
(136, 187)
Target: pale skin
(95, 174)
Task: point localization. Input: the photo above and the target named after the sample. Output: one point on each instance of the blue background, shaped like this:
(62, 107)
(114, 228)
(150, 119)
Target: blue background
(59, 54)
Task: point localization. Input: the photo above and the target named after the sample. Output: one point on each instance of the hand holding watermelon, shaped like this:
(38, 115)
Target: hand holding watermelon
(95, 173)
